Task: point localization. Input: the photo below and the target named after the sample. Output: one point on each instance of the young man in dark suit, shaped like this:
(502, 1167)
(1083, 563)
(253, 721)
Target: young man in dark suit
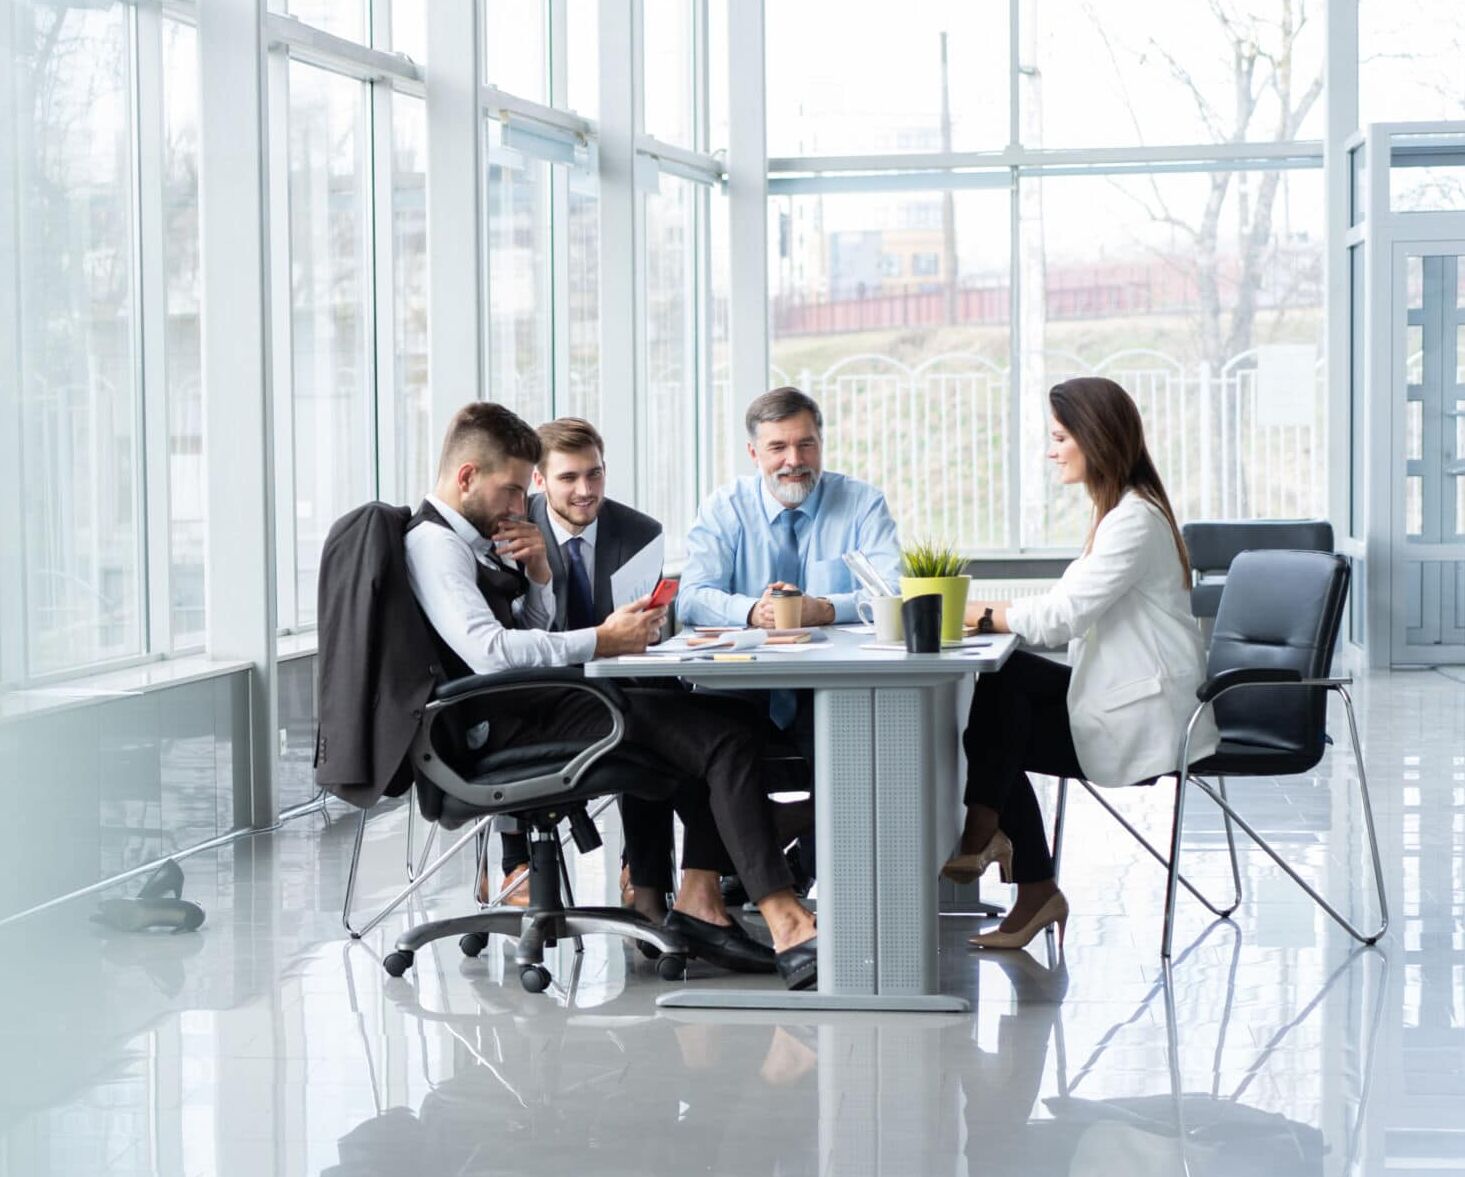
(587, 538)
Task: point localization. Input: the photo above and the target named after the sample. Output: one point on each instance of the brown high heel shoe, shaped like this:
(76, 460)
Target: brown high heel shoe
(1054, 911)
(965, 868)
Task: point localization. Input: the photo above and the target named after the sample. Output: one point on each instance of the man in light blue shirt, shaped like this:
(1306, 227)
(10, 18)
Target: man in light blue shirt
(787, 525)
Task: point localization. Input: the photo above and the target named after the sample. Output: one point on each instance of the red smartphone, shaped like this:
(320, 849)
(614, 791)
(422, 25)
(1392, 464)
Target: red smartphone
(663, 594)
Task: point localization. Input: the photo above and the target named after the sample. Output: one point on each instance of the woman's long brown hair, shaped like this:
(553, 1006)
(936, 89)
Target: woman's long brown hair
(1105, 422)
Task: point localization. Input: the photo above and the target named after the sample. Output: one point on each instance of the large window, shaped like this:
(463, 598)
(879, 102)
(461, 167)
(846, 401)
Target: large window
(876, 87)
(520, 302)
(1204, 298)
(911, 369)
(80, 422)
(1143, 253)
(183, 362)
(350, 250)
(669, 445)
(408, 394)
(330, 394)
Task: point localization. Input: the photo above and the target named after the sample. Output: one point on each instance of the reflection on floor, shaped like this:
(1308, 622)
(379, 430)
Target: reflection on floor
(266, 1044)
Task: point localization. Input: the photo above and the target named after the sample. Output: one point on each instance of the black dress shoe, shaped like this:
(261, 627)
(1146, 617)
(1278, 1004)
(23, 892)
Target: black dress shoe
(726, 947)
(799, 965)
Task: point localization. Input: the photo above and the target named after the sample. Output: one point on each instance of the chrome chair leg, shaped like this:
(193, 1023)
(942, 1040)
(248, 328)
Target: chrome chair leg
(1060, 814)
(1097, 795)
(422, 876)
(1172, 873)
(1230, 846)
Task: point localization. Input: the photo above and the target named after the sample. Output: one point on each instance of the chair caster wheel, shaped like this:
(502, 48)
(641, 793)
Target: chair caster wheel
(671, 967)
(397, 963)
(534, 978)
(473, 943)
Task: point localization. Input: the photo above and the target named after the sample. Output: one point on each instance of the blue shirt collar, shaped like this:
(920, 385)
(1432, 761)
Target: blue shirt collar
(772, 508)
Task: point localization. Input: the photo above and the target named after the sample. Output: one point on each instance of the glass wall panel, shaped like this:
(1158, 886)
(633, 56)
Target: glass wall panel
(669, 441)
(846, 76)
(187, 481)
(344, 18)
(330, 299)
(582, 56)
(721, 436)
(667, 59)
(410, 394)
(516, 47)
(79, 400)
(581, 321)
(893, 310)
(520, 302)
(1170, 71)
(409, 29)
(1409, 61)
(1203, 297)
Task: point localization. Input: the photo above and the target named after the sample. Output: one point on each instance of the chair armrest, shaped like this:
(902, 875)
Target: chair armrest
(1245, 676)
(542, 781)
(505, 681)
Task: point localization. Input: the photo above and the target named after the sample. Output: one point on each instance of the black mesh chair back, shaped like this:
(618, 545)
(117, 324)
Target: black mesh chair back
(1279, 610)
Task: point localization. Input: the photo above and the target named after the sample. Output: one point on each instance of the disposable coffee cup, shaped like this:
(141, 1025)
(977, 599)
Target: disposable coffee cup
(788, 608)
(922, 618)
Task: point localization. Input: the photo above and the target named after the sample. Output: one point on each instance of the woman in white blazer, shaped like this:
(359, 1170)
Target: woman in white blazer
(1115, 715)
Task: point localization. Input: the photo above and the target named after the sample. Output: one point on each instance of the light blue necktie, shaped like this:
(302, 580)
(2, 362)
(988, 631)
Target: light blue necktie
(787, 567)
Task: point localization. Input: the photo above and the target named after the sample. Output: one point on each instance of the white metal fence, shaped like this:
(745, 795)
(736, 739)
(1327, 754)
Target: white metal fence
(938, 437)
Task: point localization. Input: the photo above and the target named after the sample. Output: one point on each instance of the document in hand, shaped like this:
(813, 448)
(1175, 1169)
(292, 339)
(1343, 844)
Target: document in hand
(638, 575)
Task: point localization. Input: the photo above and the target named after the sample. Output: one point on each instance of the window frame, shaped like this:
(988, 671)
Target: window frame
(381, 74)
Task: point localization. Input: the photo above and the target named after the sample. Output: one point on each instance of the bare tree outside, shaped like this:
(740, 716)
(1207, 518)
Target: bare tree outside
(1260, 41)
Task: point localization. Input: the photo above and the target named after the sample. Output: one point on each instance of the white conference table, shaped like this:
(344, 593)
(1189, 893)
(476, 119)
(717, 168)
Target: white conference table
(887, 798)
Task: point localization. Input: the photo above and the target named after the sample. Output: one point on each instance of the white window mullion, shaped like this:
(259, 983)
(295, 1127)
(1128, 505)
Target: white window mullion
(383, 298)
(236, 156)
(458, 327)
(747, 192)
(622, 237)
(701, 301)
(12, 575)
(559, 219)
(152, 304)
(277, 144)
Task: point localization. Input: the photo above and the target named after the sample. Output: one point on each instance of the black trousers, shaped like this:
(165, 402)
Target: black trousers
(1019, 724)
(716, 745)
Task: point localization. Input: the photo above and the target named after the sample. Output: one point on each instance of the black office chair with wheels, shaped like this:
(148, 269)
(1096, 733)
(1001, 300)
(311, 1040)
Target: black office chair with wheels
(1268, 679)
(540, 785)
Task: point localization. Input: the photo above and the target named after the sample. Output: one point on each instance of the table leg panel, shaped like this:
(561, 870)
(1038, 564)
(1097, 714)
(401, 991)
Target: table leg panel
(844, 806)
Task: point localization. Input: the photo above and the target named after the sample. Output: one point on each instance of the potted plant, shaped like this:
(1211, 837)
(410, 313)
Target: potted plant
(936, 568)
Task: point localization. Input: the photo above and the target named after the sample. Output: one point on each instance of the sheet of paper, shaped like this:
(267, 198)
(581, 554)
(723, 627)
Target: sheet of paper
(638, 575)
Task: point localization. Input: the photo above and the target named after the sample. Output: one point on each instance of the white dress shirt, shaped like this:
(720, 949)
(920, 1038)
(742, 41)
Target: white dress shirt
(587, 549)
(442, 568)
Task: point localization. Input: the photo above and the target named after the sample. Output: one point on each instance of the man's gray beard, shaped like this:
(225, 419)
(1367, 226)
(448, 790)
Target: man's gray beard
(791, 494)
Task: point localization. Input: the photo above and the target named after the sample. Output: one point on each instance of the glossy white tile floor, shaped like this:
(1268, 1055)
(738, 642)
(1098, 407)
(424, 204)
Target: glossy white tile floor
(264, 1044)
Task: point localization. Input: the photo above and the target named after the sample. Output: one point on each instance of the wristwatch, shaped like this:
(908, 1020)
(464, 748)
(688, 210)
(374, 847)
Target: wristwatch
(984, 622)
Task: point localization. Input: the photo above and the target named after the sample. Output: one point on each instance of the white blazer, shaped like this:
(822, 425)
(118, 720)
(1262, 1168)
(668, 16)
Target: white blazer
(1135, 648)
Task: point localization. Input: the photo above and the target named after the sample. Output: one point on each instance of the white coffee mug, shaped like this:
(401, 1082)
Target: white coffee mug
(884, 614)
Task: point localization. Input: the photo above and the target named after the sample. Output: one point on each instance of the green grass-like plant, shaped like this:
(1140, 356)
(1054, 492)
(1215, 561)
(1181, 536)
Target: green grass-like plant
(926, 559)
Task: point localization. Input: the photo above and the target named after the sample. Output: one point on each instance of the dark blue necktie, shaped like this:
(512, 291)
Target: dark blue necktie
(581, 611)
(787, 566)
